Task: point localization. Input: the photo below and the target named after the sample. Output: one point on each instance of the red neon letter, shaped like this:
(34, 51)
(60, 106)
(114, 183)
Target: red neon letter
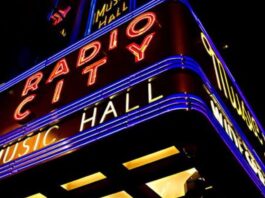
(131, 31)
(20, 116)
(57, 91)
(113, 39)
(82, 58)
(60, 68)
(139, 50)
(32, 83)
(92, 69)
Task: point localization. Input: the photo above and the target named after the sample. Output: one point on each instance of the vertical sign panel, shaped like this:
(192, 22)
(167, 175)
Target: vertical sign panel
(106, 12)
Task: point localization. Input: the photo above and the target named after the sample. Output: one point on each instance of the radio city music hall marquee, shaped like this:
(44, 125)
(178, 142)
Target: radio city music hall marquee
(37, 106)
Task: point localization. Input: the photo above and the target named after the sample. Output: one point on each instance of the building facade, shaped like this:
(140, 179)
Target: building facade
(140, 104)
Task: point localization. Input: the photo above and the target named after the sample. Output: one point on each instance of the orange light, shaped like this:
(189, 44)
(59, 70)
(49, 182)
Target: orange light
(60, 68)
(172, 186)
(139, 50)
(32, 83)
(147, 159)
(113, 39)
(121, 194)
(83, 58)
(92, 69)
(83, 181)
(18, 115)
(57, 92)
(131, 30)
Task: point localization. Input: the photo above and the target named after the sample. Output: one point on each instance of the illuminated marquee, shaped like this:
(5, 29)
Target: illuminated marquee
(233, 134)
(89, 69)
(230, 92)
(89, 117)
(73, 92)
(123, 103)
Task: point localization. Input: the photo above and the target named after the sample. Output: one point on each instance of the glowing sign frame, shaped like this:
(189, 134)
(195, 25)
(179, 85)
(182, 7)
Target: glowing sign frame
(172, 103)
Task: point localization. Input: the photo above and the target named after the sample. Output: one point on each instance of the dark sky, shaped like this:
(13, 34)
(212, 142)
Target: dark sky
(239, 26)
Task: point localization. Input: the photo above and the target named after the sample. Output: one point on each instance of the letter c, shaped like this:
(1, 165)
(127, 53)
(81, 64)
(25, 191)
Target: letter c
(18, 115)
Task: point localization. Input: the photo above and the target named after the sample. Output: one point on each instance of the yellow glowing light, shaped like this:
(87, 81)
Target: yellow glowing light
(147, 159)
(225, 46)
(37, 195)
(83, 181)
(209, 187)
(121, 194)
(172, 186)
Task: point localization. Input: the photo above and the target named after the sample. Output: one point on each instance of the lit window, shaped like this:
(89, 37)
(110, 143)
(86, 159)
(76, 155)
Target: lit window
(147, 159)
(121, 194)
(172, 186)
(83, 181)
(37, 195)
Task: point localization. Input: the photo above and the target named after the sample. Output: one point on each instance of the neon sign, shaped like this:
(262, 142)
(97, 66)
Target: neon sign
(88, 67)
(85, 55)
(29, 144)
(235, 137)
(60, 95)
(91, 116)
(106, 12)
(230, 94)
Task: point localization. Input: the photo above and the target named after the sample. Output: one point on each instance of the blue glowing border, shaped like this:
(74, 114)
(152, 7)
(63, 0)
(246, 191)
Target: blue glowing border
(47, 62)
(114, 25)
(170, 103)
(175, 102)
(224, 64)
(105, 92)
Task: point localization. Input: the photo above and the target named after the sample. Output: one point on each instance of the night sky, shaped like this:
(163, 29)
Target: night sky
(238, 26)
